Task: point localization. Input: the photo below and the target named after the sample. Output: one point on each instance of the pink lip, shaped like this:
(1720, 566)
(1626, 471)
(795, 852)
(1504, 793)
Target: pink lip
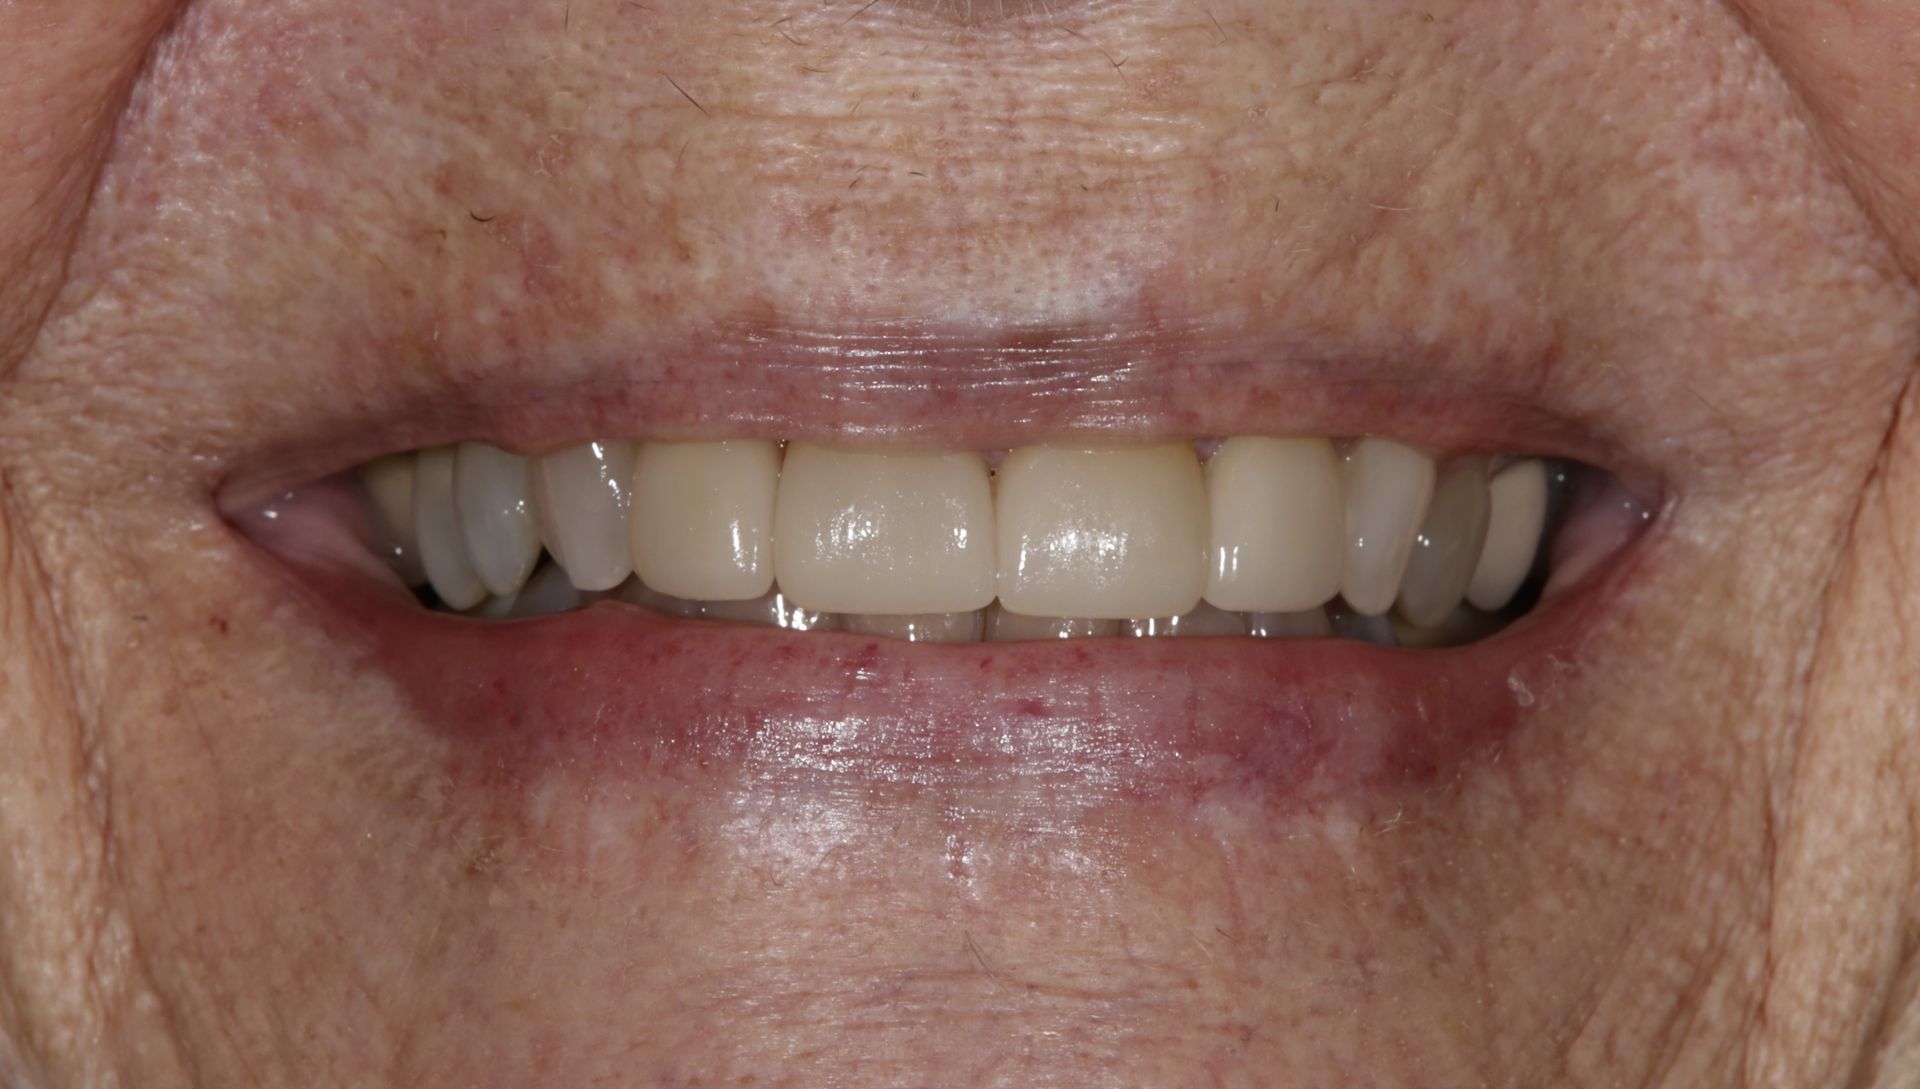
(617, 693)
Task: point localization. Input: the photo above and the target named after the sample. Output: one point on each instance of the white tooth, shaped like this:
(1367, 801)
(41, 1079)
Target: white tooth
(1518, 498)
(492, 491)
(1348, 624)
(1104, 533)
(389, 484)
(1447, 548)
(1388, 487)
(1006, 627)
(1306, 624)
(548, 591)
(635, 592)
(437, 529)
(925, 628)
(862, 532)
(774, 611)
(494, 608)
(1203, 620)
(1279, 522)
(703, 518)
(581, 498)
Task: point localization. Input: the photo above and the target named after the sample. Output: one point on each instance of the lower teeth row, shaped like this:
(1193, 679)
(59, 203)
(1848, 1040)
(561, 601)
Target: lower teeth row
(1364, 539)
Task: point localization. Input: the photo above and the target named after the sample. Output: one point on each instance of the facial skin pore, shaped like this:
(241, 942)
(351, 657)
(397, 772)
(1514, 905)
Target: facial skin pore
(244, 244)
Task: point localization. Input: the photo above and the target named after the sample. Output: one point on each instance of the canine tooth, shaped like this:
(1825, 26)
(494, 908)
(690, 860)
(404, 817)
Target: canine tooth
(1518, 501)
(1447, 547)
(436, 526)
(1278, 524)
(1388, 488)
(1306, 624)
(703, 518)
(580, 499)
(1108, 533)
(774, 610)
(1348, 624)
(635, 592)
(1203, 620)
(548, 591)
(1006, 627)
(492, 491)
(965, 627)
(389, 485)
(892, 533)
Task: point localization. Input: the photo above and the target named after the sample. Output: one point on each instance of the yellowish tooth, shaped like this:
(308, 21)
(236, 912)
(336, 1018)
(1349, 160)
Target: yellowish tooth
(635, 592)
(492, 490)
(1517, 498)
(1203, 620)
(888, 533)
(1306, 624)
(1388, 488)
(703, 518)
(1105, 533)
(436, 527)
(581, 500)
(1278, 513)
(548, 591)
(1006, 627)
(389, 484)
(1447, 547)
(775, 610)
(927, 628)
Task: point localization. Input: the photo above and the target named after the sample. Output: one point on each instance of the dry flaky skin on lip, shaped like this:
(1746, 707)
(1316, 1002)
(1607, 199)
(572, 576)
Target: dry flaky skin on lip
(331, 229)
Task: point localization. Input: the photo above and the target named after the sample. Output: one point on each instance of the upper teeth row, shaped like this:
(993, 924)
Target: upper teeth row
(1269, 525)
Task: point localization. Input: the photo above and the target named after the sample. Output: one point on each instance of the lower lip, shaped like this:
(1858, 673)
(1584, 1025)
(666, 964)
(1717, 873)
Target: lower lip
(618, 693)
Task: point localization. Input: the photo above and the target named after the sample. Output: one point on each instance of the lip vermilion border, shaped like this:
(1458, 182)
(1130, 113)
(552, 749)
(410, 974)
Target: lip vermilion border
(615, 691)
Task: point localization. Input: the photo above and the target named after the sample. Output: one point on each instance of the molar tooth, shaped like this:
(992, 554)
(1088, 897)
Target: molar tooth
(1518, 503)
(1278, 524)
(1203, 620)
(581, 498)
(1305, 624)
(436, 526)
(548, 591)
(773, 610)
(389, 484)
(1388, 488)
(703, 518)
(1108, 533)
(492, 492)
(965, 627)
(1006, 627)
(890, 533)
(1447, 547)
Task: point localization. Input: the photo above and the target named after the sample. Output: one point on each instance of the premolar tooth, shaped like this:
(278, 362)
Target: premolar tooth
(1518, 503)
(1006, 627)
(492, 490)
(1447, 547)
(635, 592)
(436, 527)
(1305, 624)
(774, 610)
(389, 485)
(863, 532)
(965, 627)
(703, 518)
(1106, 533)
(581, 499)
(1203, 620)
(1388, 488)
(1278, 524)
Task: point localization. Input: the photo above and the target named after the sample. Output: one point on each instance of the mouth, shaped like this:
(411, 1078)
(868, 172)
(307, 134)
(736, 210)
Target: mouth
(1289, 614)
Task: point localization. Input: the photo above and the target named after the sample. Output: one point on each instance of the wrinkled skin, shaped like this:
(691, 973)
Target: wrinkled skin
(1691, 229)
